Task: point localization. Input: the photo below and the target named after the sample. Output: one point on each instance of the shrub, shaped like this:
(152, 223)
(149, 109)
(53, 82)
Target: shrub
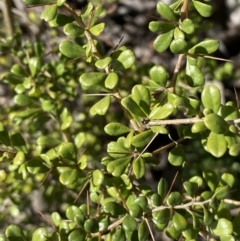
(77, 140)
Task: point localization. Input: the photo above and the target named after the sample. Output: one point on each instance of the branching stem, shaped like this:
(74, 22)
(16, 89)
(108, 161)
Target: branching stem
(183, 122)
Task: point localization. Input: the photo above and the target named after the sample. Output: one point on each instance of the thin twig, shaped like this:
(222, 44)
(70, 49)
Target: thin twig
(7, 150)
(85, 184)
(163, 148)
(150, 230)
(170, 189)
(175, 73)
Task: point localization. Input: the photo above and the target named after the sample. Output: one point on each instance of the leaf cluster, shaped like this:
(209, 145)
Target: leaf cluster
(93, 159)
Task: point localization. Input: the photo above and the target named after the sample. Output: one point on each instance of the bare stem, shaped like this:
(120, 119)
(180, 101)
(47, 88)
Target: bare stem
(175, 73)
(161, 149)
(193, 203)
(183, 122)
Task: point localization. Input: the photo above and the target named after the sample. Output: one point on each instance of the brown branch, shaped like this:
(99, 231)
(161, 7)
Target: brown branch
(8, 17)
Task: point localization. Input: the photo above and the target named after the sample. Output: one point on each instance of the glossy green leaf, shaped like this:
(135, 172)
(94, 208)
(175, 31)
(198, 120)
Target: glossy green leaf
(198, 127)
(128, 140)
(34, 64)
(88, 80)
(115, 209)
(159, 75)
(103, 63)
(216, 144)
(194, 75)
(211, 98)
(142, 202)
(161, 112)
(159, 129)
(222, 192)
(40, 234)
(178, 34)
(177, 156)
(139, 168)
(132, 107)
(36, 165)
(234, 150)
(227, 238)
(143, 231)
(48, 141)
(49, 12)
(163, 41)
(162, 187)
(118, 149)
(228, 113)
(97, 177)
(135, 210)
(227, 179)
(159, 26)
(143, 138)
(190, 233)
(124, 61)
(111, 81)
(48, 105)
(91, 225)
(223, 227)
(101, 106)
(18, 70)
(60, 20)
(79, 139)
(56, 218)
(22, 100)
(211, 179)
(171, 232)
(178, 46)
(205, 47)
(18, 142)
(179, 222)
(208, 217)
(175, 198)
(14, 233)
(162, 216)
(119, 166)
(77, 235)
(97, 29)
(69, 177)
(19, 159)
(71, 49)
(165, 11)
(129, 224)
(205, 10)
(216, 123)
(3, 176)
(67, 150)
(73, 29)
(119, 235)
(141, 95)
(116, 129)
(190, 188)
(187, 26)
(96, 14)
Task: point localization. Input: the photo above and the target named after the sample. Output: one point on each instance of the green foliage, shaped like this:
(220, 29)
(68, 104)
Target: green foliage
(91, 161)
